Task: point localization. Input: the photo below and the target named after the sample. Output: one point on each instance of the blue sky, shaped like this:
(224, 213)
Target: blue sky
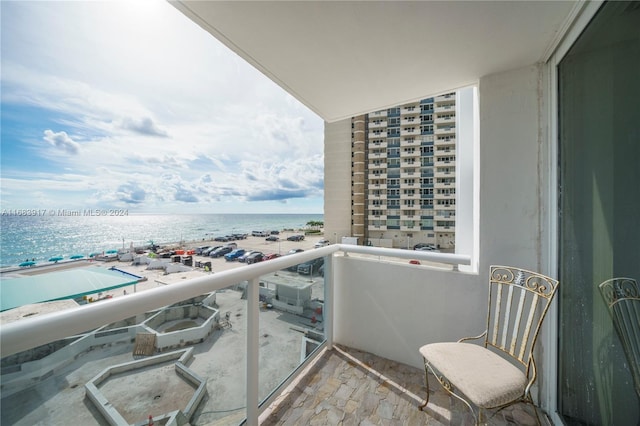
(130, 105)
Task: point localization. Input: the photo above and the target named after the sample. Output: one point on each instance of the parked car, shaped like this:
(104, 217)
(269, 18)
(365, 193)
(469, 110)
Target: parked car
(272, 238)
(240, 236)
(275, 232)
(298, 237)
(246, 254)
(270, 256)
(293, 268)
(200, 249)
(429, 248)
(209, 250)
(321, 243)
(234, 255)
(255, 257)
(310, 267)
(422, 245)
(221, 239)
(260, 233)
(222, 251)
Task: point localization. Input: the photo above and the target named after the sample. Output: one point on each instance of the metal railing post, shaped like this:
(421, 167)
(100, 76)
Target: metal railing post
(253, 348)
(328, 300)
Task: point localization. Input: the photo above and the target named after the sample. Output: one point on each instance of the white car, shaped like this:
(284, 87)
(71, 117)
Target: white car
(321, 243)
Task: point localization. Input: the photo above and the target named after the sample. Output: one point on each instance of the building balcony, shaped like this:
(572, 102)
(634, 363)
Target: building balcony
(377, 144)
(441, 185)
(410, 174)
(410, 120)
(450, 163)
(377, 175)
(378, 114)
(245, 362)
(411, 196)
(374, 125)
(377, 217)
(410, 131)
(415, 142)
(381, 196)
(450, 217)
(410, 154)
(377, 166)
(449, 141)
(413, 109)
(445, 119)
(444, 173)
(378, 155)
(443, 130)
(373, 135)
(444, 108)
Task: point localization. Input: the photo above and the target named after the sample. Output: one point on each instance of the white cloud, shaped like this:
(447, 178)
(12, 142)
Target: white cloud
(62, 141)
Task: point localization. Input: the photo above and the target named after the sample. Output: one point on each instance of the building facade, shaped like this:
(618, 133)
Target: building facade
(403, 174)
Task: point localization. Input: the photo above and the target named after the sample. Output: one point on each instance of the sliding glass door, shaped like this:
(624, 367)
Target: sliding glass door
(599, 170)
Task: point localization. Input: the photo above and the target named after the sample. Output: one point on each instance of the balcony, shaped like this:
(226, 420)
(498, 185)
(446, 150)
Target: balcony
(377, 134)
(410, 142)
(379, 125)
(344, 382)
(444, 108)
(440, 162)
(377, 166)
(377, 144)
(378, 114)
(445, 119)
(450, 141)
(443, 130)
(410, 120)
(410, 131)
(410, 110)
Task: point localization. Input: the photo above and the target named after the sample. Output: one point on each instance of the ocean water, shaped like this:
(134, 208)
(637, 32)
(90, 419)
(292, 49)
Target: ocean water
(42, 237)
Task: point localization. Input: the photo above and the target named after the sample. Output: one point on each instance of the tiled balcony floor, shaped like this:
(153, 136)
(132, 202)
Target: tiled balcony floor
(350, 387)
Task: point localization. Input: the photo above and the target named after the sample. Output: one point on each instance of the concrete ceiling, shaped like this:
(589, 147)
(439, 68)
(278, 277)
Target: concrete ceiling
(345, 58)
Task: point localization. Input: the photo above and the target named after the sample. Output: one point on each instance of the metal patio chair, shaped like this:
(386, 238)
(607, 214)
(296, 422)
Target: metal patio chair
(500, 371)
(622, 296)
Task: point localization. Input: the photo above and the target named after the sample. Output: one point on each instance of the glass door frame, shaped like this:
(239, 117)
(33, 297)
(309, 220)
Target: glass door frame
(574, 26)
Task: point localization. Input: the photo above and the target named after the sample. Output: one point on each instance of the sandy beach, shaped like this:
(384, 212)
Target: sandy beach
(155, 277)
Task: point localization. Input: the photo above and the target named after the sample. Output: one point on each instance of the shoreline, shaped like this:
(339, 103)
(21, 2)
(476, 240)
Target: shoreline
(183, 244)
(154, 277)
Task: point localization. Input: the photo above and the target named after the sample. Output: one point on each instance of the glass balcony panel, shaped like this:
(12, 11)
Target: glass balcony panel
(291, 321)
(150, 364)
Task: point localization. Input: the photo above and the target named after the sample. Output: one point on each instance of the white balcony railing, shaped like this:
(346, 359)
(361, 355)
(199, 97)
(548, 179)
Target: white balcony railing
(32, 332)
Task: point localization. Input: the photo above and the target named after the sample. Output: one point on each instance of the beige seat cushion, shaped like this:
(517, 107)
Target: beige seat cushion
(487, 379)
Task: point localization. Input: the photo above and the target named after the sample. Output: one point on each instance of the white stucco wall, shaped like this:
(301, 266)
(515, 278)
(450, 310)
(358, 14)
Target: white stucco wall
(513, 172)
(391, 310)
(337, 180)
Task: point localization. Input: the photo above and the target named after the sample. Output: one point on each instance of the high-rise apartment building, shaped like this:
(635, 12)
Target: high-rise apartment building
(403, 174)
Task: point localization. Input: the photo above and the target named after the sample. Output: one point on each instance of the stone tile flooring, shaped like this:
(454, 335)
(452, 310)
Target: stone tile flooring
(350, 387)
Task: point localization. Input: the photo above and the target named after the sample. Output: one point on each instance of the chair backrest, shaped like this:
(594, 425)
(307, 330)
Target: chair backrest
(518, 302)
(622, 296)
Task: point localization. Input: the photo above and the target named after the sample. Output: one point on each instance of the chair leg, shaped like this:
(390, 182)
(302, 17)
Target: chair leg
(426, 377)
